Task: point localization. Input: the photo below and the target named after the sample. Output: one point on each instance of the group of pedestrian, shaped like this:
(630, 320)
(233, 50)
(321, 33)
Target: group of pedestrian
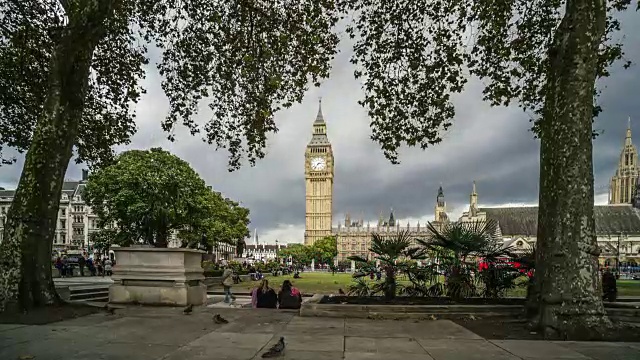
(97, 267)
(264, 296)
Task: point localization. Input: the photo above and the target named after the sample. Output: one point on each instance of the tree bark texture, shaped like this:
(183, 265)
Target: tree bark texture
(25, 253)
(569, 301)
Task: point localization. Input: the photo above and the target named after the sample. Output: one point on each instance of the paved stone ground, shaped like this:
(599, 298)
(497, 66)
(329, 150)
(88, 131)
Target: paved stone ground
(144, 333)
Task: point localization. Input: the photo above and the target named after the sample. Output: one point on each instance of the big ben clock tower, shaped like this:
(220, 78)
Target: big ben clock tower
(318, 170)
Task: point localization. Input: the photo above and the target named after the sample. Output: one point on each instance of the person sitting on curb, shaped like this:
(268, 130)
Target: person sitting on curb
(289, 297)
(264, 296)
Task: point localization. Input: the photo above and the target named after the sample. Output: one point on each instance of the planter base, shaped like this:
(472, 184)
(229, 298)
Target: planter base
(153, 276)
(176, 294)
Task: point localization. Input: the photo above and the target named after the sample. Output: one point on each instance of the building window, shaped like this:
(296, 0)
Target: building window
(63, 223)
(64, 211)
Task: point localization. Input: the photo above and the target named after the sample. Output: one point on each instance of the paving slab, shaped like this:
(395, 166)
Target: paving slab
(464, 349)
(312, 343)
(441, 329)
(154, 333)
(383, 345)
(214, 340)
(603, 350)
(160, 331)
(24, 334)
(4, 327)
(386, 356)
(306, 355)
(122, 351)
(537, 349)
(314, 326)
(209, 353)
(376, 328)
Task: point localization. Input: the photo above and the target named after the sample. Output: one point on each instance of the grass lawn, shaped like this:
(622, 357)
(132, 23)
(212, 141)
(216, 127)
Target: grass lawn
(322, 282)
(309, 283)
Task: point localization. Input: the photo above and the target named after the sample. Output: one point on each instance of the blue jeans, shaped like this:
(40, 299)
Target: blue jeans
(228, 296)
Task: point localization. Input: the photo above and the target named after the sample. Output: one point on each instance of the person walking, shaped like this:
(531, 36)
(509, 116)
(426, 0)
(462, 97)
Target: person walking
(227, 282)
(82, 262)
(107, 267)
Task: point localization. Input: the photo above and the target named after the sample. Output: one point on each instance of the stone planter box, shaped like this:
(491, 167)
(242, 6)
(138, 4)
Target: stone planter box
(314, 307)
(158, 276)
(623, 312)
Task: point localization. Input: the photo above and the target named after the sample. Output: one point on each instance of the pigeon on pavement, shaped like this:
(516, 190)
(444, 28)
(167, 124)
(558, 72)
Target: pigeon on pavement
(188, 310)
(219, 319)
(276, 350)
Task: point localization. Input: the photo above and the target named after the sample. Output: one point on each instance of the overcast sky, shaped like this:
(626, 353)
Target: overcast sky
(490, 145)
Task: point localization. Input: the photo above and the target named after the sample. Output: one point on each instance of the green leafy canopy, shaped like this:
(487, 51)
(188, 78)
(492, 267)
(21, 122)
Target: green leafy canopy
(247, 59)
(244, 59)
(146, 195)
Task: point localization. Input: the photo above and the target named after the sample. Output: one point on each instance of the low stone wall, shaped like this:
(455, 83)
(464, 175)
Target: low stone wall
(158, 276)
(313, 307)
(624, 312)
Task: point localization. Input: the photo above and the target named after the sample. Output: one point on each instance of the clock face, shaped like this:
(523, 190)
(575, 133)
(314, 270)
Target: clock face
(318, 164)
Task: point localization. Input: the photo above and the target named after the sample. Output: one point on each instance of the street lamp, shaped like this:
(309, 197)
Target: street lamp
(620, 237)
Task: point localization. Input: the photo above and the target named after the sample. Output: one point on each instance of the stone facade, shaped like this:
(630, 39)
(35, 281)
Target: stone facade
(623, 182)
(263, 252)
(617, 227)
(354, 238)
(75, 220)
(318, 167)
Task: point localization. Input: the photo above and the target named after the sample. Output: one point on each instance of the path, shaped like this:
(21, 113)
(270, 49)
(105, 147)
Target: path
(144, 333)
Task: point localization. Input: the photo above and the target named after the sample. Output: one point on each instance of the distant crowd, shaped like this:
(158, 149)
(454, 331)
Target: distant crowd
(86, 265)
(263, 296)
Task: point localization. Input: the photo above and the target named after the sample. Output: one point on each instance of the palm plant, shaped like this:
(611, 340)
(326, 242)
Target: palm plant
(388, 249)
(457, 246)
(360, 287)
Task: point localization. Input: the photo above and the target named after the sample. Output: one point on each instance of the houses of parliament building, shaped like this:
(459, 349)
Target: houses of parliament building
(617, 224)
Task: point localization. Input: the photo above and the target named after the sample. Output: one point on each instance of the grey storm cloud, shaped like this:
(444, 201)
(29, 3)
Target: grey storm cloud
(492, 146)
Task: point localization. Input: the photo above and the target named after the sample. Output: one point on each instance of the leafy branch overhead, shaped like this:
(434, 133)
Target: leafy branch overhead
(245, 60)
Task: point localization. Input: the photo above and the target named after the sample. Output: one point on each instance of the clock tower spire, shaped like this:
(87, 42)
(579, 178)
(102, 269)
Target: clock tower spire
(318, 170)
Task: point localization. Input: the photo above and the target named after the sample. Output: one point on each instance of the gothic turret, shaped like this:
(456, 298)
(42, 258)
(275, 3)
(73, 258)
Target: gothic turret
(392, 220)
(319, 129)
(440, 198)
(623, 182)
(473, 201)
(441, 206)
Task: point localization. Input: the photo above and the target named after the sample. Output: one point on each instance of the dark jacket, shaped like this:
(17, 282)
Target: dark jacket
(267, 299)
(290, 299)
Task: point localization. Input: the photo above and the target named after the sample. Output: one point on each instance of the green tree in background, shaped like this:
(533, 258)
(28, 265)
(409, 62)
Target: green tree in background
(228, 224)
(299, 254)
(324, 250)
(102, 239)
(146, 195)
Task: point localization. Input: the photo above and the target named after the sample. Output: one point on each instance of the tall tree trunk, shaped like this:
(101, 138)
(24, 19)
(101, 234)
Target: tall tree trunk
(569, 303)
(25, 269)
